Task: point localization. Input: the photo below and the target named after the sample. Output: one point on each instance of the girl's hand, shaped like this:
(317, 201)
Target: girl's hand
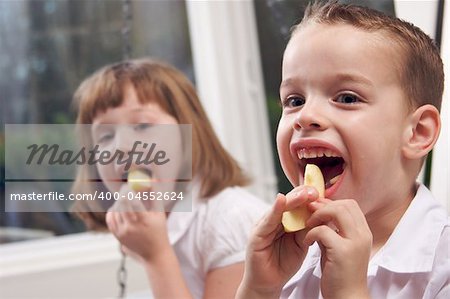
(274, 256)
(142, 233)
(341, 230)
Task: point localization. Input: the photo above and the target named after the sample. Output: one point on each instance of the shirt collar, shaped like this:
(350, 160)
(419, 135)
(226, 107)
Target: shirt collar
(412, 245)
(311, 263)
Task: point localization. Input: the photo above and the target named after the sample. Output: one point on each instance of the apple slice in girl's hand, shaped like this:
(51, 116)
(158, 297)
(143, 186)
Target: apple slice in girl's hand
(139, 180)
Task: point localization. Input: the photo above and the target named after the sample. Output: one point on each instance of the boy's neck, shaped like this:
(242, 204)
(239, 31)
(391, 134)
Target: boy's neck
(383, 222)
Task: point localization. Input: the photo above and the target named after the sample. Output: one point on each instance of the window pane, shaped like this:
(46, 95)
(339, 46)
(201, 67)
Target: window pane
(48, 47)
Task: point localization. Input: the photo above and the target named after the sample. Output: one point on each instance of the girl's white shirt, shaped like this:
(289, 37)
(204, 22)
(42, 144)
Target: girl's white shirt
(414, 262)
(214, 234)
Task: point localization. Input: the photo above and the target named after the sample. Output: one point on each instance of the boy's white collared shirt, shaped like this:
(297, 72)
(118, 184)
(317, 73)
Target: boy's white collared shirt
(414, 263)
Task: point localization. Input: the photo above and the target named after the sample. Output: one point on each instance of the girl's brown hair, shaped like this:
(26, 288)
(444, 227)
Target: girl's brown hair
(168, 87)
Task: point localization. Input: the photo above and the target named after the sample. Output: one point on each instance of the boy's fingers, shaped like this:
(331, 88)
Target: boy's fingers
(344, 214)
(319, 203)
(272, 220)
(324, 200)
(322, 234)
(299, 196)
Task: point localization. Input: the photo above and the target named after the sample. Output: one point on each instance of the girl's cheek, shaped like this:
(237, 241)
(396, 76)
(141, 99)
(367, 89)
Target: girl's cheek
(101, 173)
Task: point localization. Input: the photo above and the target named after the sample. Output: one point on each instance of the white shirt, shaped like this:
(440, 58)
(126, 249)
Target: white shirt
(414, 262)
(214, 234)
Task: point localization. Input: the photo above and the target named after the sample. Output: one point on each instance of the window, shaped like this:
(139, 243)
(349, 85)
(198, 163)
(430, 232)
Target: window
(48, 47)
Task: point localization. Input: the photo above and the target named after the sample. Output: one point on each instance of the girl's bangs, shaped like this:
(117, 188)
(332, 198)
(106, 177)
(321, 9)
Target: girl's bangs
(98, 94)
(151, 87)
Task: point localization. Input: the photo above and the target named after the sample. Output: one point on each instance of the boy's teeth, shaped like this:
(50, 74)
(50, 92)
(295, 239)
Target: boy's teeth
(311, 154)
(315, 153)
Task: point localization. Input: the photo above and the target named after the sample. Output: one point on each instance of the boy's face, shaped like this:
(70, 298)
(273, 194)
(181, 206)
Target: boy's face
(342, 98)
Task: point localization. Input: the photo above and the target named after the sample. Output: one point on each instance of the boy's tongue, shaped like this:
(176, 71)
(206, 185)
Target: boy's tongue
(331, 175)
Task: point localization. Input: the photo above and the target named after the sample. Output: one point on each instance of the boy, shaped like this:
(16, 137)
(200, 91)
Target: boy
(361, 94)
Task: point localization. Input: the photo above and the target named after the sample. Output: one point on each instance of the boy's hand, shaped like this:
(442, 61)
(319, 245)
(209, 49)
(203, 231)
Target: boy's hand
(274, 256)
(341, 230)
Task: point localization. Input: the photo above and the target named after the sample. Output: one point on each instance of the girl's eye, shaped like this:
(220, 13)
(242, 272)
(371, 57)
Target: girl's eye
(141, 127)
(105, 138)
(347, 98)
(294, 101)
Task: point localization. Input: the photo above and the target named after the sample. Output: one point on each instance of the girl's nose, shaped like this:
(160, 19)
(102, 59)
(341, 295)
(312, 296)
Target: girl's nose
(127, 145)
(124, 139)
(311, 117)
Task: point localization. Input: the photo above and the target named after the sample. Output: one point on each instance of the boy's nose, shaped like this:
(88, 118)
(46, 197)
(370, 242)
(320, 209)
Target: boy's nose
(311, 117)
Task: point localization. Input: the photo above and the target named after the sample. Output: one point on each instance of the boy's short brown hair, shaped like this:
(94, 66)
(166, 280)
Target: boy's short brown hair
(421, 70)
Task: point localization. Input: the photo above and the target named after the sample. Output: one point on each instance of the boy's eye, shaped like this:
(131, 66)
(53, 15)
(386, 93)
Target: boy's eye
(294, 101)
(347, 98)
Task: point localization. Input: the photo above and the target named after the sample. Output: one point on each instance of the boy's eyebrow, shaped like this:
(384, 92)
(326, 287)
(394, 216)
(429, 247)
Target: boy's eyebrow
(346, 77)
(286, 82)
(356, 78)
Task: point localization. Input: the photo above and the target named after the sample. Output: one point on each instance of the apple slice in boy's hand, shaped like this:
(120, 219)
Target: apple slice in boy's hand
(139, 180)
(295, 220)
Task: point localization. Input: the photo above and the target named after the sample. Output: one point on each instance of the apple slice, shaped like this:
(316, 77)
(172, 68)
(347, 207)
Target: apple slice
(295, 220)
(139, 180)
(314, 178)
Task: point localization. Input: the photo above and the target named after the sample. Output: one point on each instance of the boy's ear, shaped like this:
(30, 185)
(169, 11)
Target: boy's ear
(422, 132)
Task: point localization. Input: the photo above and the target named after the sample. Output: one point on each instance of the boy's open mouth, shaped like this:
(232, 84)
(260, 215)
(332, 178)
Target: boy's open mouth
(330, 163)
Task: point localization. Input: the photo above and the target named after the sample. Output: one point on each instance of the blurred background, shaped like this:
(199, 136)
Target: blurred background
(231, 50)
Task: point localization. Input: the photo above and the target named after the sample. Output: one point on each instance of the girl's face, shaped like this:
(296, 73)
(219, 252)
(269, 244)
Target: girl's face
(145, 133)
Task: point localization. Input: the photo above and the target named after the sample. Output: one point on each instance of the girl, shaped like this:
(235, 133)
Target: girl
(186, 255)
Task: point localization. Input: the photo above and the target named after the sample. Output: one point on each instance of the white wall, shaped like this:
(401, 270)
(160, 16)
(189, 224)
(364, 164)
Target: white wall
(229, 80)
